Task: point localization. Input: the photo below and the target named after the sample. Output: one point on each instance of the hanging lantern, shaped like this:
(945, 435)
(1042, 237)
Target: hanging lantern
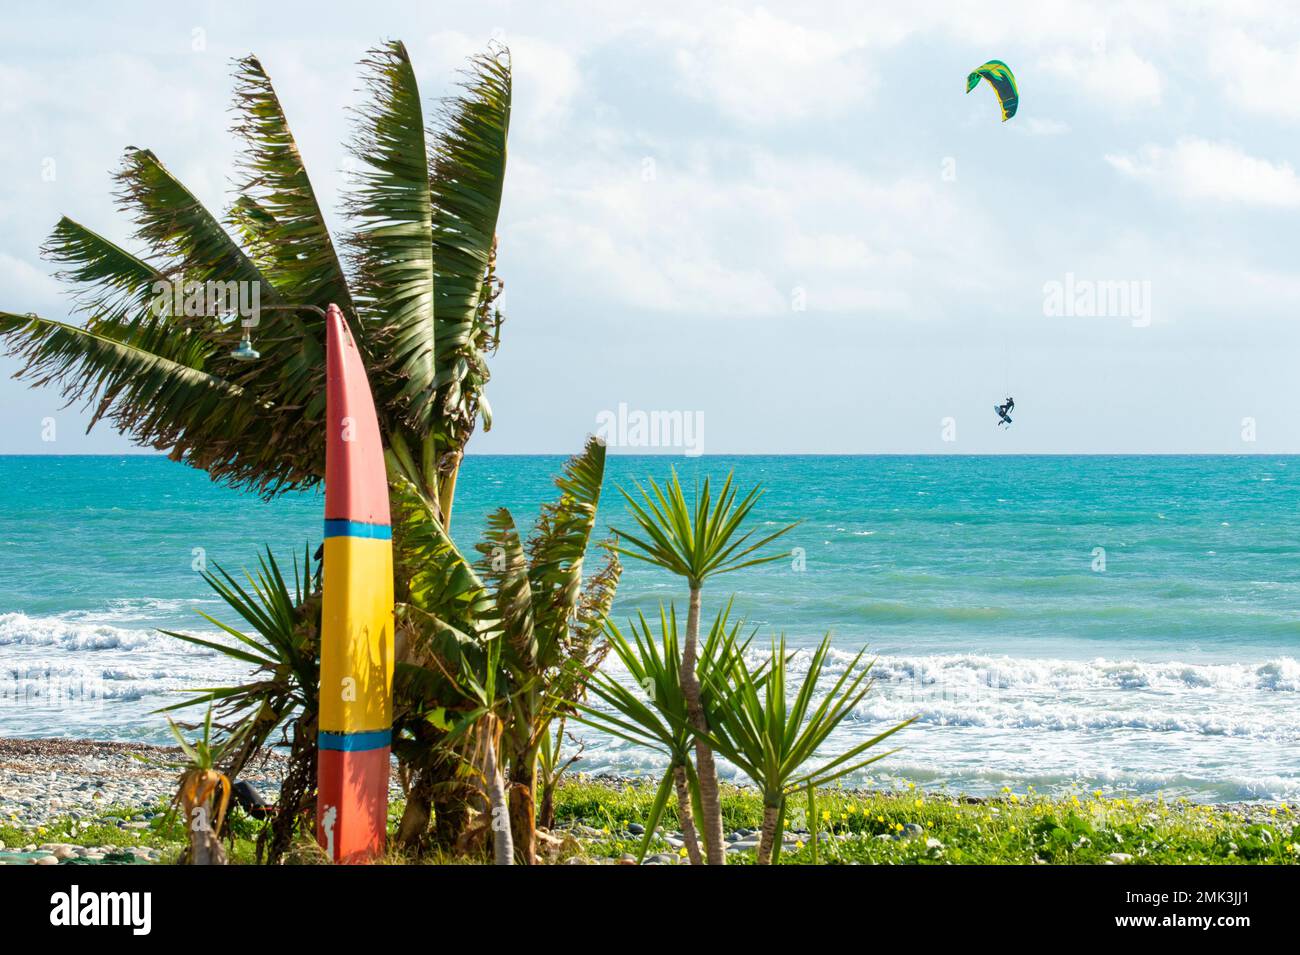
(244, 351)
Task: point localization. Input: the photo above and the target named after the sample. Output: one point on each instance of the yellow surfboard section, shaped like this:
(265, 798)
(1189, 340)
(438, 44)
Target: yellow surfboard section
(356, 674)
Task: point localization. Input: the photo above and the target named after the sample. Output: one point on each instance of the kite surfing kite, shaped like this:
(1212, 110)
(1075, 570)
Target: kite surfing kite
(1004, 411)
(1002, 80)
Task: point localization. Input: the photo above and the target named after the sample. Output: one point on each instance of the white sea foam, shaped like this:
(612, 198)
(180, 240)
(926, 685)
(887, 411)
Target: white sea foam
(1281, 674)
(75, 632)
(1217, 730)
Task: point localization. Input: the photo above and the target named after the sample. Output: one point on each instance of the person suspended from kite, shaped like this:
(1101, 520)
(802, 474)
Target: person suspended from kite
(1004, 411)
(1002, 80)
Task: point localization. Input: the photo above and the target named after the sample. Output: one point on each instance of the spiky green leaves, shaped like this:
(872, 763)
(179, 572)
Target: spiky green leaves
(757, 726)
(283, 646)
(698, 539)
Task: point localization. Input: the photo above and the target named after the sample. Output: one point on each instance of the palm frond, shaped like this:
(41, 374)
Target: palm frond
(160, 402)
(437, 578)
(694, 539)
(559, 545)
(770, 737)
(505, 568)
(467, 171)
(392, 245)
(283, 645)
(278, 208)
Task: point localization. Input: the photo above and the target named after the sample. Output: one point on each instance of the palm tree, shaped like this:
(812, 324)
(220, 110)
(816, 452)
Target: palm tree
(554, 637)
(697, 541)
(657, 716)
(756, 726)
(415, 276)
(530, 599)
(417, 288)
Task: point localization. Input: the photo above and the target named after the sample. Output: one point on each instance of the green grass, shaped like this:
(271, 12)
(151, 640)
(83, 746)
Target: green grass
(162, 832)
(1083, 829)
(1017, 828)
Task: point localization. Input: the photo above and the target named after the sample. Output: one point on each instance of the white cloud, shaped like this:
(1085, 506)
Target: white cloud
(760, 69)
(1121, 79)
(26, 286)
(1036, 126)
(1258, 78)
(736, 232)
(1198, 169)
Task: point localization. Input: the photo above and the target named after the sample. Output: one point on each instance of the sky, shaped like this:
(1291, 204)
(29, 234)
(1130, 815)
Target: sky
(788, 223)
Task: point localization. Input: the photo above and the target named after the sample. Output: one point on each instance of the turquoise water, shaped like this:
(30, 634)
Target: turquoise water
(977, 581)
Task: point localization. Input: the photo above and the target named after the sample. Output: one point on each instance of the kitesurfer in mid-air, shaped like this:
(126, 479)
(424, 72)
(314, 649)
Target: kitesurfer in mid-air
(1004, 411)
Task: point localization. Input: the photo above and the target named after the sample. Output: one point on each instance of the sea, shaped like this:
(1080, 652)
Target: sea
(1123, 623)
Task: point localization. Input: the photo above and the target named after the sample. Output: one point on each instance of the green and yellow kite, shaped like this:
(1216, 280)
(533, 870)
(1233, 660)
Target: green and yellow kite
(1003, 82)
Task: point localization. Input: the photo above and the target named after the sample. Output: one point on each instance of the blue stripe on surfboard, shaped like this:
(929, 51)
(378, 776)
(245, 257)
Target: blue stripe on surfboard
(339, 527)
(354, 742)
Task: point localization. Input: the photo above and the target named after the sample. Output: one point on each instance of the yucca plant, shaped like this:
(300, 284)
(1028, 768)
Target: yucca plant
(697, 540)
(757, 726)
(417, 289)
(282, 646)
(654, 714)
(204, 791)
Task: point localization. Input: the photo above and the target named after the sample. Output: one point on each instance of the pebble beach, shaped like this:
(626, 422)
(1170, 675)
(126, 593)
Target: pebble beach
(54, 791)
(42, 780)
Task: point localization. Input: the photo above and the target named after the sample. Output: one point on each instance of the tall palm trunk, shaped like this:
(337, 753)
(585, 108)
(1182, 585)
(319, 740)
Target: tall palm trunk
(771, 814)
(296, 807)
(707, 770)
(447, 493)
(686, 815)
(418, 812)
(523, 812)
(502, 844)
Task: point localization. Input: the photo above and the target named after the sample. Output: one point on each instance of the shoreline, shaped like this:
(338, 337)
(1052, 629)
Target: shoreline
(43, 778)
